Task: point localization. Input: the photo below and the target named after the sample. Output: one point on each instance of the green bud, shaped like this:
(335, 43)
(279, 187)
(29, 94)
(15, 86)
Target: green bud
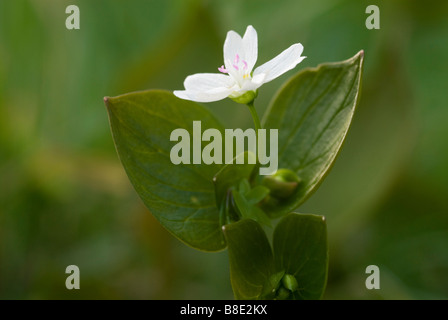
(290, 282)
(245, 98)
(271, 286)
(282, 184)
(282, 294)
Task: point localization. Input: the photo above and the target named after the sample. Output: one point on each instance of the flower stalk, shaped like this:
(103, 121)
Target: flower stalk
(254, 114)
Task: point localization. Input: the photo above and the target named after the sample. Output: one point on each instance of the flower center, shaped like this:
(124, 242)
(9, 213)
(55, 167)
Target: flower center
(238, 65)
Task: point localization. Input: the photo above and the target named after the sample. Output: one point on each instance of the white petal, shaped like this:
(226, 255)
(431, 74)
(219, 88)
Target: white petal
(249, 86)
(233, 45)
(207, 81)
(256, 82)
(259, 78)
(282, 63)
(236, 75)
(206, 87)
(213, 95)
(206, 96)
(183, 94)
(250, 47)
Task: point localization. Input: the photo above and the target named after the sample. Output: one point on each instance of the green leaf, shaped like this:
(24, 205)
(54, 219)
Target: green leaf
(297, 268)
(251, 260)
(232, 175)
(180, 196)
(249, 210)
(301, 250)
(313, 112)
(244, 186)
(257, 194)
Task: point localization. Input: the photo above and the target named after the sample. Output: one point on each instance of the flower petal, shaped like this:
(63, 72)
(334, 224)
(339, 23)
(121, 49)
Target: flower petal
(206, 87)
(183, 94)
(250, 47)
(200, 82)
(256, 82)
(206, 96)
(233, 45)
(282, 63)
(232, 71)
(259, 79)
(213, 95)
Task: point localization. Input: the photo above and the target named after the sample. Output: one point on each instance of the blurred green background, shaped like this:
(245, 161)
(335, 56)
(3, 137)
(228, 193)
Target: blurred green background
(65, 198)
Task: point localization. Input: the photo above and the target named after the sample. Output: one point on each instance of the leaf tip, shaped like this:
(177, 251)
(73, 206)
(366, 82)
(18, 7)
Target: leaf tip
(360, 56)
(106, 101)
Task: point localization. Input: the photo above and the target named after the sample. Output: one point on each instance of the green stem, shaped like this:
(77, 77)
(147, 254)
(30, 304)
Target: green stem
(254, 114)
(257, 123)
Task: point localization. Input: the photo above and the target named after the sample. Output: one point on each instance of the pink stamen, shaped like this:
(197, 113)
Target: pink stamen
(223, 70)
(245, 65)
(237, 59)
(236, 67)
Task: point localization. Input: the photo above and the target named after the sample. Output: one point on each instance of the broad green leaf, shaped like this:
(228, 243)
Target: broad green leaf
(299, 259)
(180, 196)
(301, 250)
(378, 146)
(313, 112)
(251, 260)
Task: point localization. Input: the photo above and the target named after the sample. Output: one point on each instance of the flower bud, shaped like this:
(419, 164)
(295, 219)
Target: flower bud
(282, 294)
(290, 282)
(282, 184)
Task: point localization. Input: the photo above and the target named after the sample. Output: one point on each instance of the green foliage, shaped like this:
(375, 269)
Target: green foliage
(251, 259)
(313, 112)
(68, 200)
(228, 178)
(301, 251)
(246, 200)
(295, 269)
(181, 197)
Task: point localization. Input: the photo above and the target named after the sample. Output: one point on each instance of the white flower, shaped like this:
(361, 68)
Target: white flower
(237, 81)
